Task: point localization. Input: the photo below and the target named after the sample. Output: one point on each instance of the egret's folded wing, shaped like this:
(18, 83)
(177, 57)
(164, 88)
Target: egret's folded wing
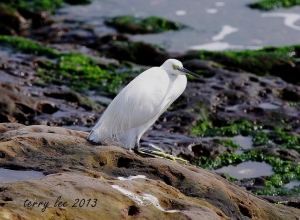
(140, 101)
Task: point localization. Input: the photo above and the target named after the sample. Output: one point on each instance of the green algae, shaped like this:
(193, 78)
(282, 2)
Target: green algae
(275, 61)
(23, 45)
(25, 6)
(202, 127)
(272, 191)
(226, 159)
(285, 171)
(136, 25)
(34, 5)
(285, 168)
(230, 144)
(205, 128)
(78, 71)
(13, 13)
(277, 137)
(260, 138)
(267, 5)
(82, 73)
(230, 178)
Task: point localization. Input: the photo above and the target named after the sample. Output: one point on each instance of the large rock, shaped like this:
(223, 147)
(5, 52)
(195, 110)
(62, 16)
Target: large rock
(78, 170)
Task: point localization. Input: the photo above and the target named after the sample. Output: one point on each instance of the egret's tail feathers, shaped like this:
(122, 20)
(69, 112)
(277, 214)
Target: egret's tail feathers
(125, 139)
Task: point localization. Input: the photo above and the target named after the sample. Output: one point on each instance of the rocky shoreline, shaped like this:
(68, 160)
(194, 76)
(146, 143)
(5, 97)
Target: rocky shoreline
(56, 84)
(118, 183)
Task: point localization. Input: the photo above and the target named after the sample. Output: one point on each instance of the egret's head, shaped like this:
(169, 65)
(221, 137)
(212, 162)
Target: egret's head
(175, 67)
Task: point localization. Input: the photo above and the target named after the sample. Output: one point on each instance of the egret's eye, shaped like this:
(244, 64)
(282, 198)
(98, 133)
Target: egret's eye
(175, 67)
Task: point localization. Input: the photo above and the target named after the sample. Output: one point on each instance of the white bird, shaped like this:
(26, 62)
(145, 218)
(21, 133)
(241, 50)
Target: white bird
(139, 105)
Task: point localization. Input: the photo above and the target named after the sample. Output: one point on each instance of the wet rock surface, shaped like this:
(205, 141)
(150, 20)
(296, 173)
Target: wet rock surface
(78, 170)
(22, 101)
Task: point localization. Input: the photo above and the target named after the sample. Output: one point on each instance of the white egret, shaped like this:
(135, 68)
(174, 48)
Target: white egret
(139, 104)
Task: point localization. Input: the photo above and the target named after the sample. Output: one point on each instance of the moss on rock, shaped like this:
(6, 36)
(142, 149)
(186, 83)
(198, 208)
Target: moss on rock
(34, 5)
(276, 61)
(81, 73)
(27, 46)
(136, 25)
(267, 5)
(137, 52)
(75, 70)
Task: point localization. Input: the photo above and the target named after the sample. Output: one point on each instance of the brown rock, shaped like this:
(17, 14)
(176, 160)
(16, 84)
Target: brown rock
(15, 106)
(46, 107)
(12, 18)
(83, 171)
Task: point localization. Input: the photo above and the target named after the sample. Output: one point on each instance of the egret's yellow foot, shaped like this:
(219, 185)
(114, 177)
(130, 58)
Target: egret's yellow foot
(159, 154)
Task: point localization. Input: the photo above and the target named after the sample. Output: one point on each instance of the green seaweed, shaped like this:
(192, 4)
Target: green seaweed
(275, 61)
(82, 73)
(230, 144)
(136, 25)
(226, 159)
(285, 169)
(25, 6)
(75, 70)
(285, 172)
(267, 5)
(278, 137)
(272, 191)
(205, 128)
(27, 46)
(260, 138)
(202, 127)
(34, 5)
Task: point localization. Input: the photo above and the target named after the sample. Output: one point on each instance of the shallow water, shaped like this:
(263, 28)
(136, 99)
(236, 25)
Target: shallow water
(247, 169)
(292, 184)
(244, 141)
(267, 105)
(213, 25)
(7, 175)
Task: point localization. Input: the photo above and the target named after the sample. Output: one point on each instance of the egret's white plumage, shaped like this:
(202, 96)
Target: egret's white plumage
(139, 104)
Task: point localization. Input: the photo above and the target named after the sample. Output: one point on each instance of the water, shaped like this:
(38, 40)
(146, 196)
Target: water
(292, 184)
(7, 175)
(213, 25)
(247, 169)
(267, 105)
(244, 141)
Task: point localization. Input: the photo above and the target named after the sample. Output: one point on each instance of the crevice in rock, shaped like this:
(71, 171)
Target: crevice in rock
(124, 162)
(133, 210)
(245, 211)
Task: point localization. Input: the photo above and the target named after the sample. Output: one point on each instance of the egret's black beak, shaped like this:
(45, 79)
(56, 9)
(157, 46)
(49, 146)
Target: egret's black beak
(182, 69)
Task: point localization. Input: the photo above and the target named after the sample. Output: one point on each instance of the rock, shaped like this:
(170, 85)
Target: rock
(6, 30)
(291, 94)
(46, 107)
(136, 25)
(12, 18)
(39, 18)
(73, 97)
(15, 106)
(137, 52)
(80, 171)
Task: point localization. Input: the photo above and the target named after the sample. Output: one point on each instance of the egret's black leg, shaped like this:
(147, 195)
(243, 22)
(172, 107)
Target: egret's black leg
(136, 148)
